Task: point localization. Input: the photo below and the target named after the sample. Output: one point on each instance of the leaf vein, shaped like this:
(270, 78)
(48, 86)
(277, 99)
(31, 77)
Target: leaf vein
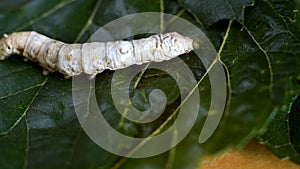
(89, 21)
(20, 91)
(26, 110)
(15, 71)
(45, 14)
(266, 56)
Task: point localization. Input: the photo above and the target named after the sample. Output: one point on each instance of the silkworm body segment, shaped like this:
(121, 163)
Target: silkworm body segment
(93, 58)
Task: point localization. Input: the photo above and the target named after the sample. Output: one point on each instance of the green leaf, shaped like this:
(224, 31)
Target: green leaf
(297, 13)
(281, 131)
(212, 11)
(282, 134)
(257, 47)
(250, 51)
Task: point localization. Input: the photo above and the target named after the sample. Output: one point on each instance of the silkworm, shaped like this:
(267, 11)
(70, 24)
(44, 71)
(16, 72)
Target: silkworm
(93, 58)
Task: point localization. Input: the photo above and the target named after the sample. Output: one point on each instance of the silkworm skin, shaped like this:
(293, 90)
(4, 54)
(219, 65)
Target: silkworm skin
(93, 58)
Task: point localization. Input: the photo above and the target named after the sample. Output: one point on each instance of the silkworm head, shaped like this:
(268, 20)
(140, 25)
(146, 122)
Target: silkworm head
(177, 43)
(6, 47)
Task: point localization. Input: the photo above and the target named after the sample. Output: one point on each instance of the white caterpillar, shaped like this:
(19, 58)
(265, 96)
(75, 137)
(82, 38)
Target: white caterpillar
(93, 58)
